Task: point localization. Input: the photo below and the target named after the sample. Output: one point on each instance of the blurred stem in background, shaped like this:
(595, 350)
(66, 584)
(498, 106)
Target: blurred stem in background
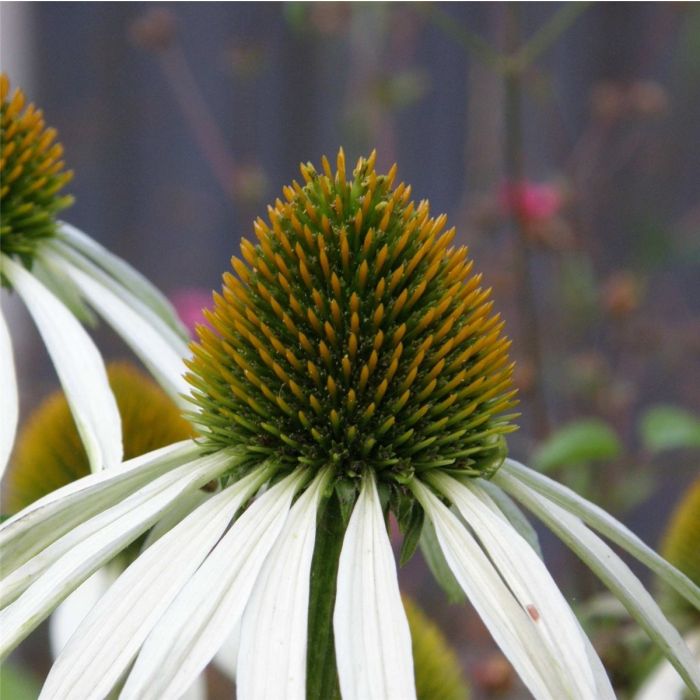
(513, 66)
(156, 30)
(515, 175)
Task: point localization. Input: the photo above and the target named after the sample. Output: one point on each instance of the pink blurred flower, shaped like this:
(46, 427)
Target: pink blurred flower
(531, 201)
(190, 304)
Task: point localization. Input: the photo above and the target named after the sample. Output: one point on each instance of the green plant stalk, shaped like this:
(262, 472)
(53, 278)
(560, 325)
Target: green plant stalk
(514, 163)
(548, 33)
(321, 673)
(470, 41)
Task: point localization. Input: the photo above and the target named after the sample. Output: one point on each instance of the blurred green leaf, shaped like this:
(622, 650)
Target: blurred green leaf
(579, 442)
(669, 428)
(16, 683)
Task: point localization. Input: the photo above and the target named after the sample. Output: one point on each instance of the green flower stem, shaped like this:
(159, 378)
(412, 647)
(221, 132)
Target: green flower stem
(321, 674)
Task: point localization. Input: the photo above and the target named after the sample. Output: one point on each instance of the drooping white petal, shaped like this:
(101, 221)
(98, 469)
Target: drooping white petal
(43, 522)
(9, 400)
(64, 565)
(16, 581)
(198, 689)
(272, 655)
(111, 635)
(370, 629)
(513, 514)
(210, 605)
(123, 273)
(664, 681)
(79, 367)
(62, 287)
(58, 255)
(602, 521)
(510, 626)
(157, 347)
(180, 509)
(72, 611)
(226, 659)
(612, 571)
(604, 690)
(530, 582)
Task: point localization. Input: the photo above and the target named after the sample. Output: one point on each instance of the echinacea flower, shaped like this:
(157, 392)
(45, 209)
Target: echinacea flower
(59, 272)
(49, 455)
(353, 368)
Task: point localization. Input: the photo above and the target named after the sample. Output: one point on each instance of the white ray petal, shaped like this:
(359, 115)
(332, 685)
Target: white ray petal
(372, 639)
(158, 348)
(79, 367)
(111, 635)
(272, 654)
(198, 689)
(664, 681)
(602, 521)
(43, 522)
(57, 254)
(9, 400)
(613, 572)
(16, 581)
(124, 274)
(509, 625)
(604, 690)
(72, 611)
(226, 659)
(528, 579)
(180, 510)
(212, 602)
(62, 287)
(89, 546)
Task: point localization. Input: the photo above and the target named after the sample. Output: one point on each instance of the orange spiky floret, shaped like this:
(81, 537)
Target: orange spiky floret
(353, 334)
(31, 176)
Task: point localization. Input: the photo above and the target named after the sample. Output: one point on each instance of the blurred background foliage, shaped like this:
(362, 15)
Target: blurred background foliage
(561, 139)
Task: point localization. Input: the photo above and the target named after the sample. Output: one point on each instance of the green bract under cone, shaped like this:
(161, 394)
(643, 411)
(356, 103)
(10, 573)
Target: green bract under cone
(32, 175)
(354, 335)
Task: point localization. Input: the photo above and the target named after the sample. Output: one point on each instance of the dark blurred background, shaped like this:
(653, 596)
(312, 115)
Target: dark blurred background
(570, 167)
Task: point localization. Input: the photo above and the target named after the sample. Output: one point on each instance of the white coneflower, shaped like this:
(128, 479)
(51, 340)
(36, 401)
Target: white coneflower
(56, 269)
(353, 368)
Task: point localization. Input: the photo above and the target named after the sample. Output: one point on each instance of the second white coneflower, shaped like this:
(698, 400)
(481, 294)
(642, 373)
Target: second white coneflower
(60, 273)
(355, 368)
